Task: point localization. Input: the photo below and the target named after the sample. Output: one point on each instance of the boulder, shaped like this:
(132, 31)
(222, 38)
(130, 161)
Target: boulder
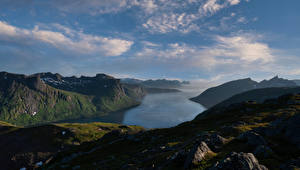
(196, 155)
(252, 138)
(215, 141)
(239, 161)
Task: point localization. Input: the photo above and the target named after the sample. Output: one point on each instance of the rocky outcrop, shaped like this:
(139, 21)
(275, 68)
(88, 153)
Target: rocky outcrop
(288, 127)
(215, 141)
(196, 155)
(252, 138)
(239, 161)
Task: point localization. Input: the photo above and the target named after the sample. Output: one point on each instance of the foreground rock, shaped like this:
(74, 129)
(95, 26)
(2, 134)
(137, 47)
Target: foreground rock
(215, 142)
(252, 138)
(196, 155)
(239, 161)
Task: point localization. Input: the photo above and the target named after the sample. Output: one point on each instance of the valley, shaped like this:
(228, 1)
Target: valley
(149, 85)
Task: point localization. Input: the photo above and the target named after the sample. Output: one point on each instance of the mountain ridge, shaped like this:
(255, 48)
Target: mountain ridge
(215, 95)
(47, 97)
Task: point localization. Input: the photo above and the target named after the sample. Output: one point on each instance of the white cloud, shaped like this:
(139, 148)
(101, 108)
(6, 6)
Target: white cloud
(234, 2)
(148, 6)
(213, 6)
(77, 42)
(238, 51)
(242, 20)
(7, 29)
(181, 16)
(210, 7)
(243, 47)
(157, 16)
(171, 22)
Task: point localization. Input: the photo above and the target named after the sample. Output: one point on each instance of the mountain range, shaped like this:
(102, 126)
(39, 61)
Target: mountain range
(45, 97)
(215, 95)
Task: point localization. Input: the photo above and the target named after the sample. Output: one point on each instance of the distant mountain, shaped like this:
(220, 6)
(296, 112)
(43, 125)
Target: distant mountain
(258, 95)
(215, 95)
(297, 82)
(276, 82)
(160, 83)
(46, 97)
(131, 81)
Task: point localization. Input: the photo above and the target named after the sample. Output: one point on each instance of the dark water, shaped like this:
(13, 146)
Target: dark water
(163, 110)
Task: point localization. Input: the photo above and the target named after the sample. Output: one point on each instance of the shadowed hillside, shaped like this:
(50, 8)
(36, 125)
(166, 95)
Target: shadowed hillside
(215, 95)
(240, 136)
(46, 97)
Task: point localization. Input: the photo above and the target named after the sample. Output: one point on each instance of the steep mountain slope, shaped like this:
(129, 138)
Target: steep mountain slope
(215, 95)
(47, 97)
(241, 136)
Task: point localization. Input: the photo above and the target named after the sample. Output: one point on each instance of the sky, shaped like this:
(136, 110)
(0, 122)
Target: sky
(198, 40)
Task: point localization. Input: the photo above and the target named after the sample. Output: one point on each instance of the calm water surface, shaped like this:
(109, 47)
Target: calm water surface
(163, 110)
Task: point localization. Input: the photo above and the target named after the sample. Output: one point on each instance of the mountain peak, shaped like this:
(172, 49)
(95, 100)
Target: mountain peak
(275, 78)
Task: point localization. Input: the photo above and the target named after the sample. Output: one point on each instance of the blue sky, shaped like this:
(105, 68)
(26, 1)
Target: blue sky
(201, 40)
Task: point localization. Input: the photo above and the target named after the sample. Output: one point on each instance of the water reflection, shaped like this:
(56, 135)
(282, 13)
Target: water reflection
(163, 110)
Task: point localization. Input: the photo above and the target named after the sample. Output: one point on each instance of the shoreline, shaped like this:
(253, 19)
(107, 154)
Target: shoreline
(111, 117)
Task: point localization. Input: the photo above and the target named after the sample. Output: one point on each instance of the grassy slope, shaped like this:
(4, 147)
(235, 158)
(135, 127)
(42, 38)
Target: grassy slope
(50, 105)
(26, 146)
(147, 151)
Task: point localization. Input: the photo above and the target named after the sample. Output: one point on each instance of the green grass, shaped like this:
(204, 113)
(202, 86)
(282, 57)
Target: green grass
(86, 132)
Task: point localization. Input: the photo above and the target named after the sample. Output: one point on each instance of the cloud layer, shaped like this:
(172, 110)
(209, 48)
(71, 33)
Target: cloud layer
(241, 50)
(70, 40)
(156, 16)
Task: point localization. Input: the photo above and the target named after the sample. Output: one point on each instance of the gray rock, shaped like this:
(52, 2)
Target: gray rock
(215, 141)
(239, 161)
(196, 155)
(252, 138)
